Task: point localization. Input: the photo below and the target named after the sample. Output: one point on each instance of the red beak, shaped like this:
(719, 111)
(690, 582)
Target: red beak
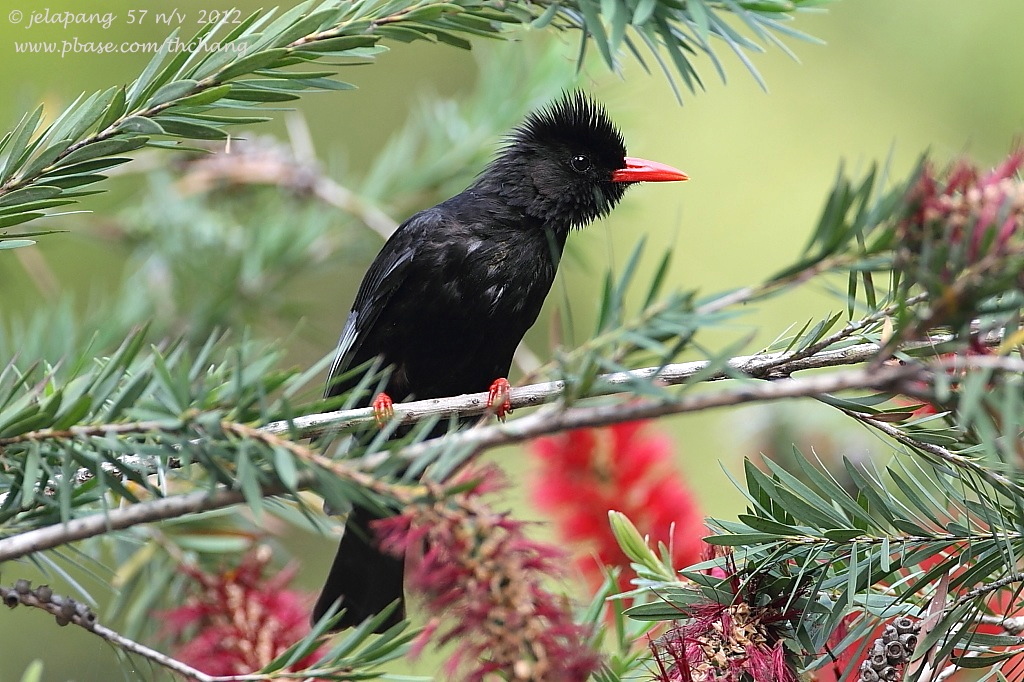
(642, 170)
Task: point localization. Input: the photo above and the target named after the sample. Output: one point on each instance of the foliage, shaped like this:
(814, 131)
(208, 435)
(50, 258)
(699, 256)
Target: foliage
(263, 60)
(933, 534)
(151, 436)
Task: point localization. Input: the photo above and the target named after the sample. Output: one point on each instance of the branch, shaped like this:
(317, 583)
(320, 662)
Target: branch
(763, 365)
(173, 507)
(759, 366)
(896, 378)
(262, 162)
(118, 519)
(69, 611)
(177, 91)
(942, 453)
(555, 419)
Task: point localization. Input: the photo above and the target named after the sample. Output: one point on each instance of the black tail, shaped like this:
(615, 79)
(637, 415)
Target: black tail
(363, 578)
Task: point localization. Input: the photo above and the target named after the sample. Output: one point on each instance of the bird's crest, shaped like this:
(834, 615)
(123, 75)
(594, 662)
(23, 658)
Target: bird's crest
(574, 120)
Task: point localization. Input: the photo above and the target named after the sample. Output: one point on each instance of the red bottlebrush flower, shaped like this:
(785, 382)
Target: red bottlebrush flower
(483, 579)
(585, 473)
(239, 620)
(961, 239)
(723, 643)
(741, 641)
(971, 204)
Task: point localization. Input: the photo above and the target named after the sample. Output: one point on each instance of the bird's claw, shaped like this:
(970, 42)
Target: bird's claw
(499, 398)
(383, 409)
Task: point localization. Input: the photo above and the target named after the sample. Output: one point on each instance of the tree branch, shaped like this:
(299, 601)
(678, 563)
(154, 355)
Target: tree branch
(67, 610)
(555, 419)
(758, 366)
(948, 456)
(762, 365)
(49, 537)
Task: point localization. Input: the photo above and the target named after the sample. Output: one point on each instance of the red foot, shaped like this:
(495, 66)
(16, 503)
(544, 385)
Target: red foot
(499, 399)
(383, 408)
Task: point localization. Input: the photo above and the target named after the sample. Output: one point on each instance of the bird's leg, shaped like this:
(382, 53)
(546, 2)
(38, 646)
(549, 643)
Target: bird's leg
(383, 408)
(499, 398)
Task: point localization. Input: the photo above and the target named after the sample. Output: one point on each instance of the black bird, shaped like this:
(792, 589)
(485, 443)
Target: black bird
(454, 289)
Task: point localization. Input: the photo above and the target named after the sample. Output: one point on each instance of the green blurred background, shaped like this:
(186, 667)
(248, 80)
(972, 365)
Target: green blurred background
(894, 79)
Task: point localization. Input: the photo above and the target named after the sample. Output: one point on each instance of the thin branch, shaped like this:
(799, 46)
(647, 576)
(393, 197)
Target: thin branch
(1013, 626)
(856, 326)
(260, 162)
(942, 453)
(67, 610)
(555, 419)
(344, 470)
(49, 537)
(17, 181)
(762, 365)
(759, 366)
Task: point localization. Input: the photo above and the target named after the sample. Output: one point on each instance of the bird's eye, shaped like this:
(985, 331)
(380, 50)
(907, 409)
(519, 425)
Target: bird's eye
(580, 163)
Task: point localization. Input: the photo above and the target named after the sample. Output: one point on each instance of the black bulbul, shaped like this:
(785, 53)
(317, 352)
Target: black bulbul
(454, 289)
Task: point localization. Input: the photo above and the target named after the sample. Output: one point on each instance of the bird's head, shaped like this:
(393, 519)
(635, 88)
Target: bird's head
(567, 164)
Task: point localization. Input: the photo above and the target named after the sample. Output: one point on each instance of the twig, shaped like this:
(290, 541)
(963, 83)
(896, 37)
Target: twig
(543, 422)
(942, 453)
(269, 163)
(759, 366)
(554, 419)
(344, 470)
(855, 326)
(763, 365)
(1013, 626)
(982, 590)
(49, 537)
(66, 610)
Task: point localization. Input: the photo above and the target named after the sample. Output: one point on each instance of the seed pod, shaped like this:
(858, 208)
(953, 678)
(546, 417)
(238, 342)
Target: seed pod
(895, 651)
(22, 586)
(44, 593)
(904, 625)
(889, 674)
(879, 661)
(11, 599)
(868, 675)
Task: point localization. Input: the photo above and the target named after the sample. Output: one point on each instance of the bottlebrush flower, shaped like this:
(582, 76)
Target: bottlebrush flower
(970, 206)
(962, 237)
(585, 473)
(239, 620)
(483, 579)
(741, 641)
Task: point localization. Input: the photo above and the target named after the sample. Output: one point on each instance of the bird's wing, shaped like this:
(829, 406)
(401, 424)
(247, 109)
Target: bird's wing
(386, 274)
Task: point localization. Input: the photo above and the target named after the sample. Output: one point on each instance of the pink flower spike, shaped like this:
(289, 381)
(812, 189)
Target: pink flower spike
(483, 578)
(243, 619)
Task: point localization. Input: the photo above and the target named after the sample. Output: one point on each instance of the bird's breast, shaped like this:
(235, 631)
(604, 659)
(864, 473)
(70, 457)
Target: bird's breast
(476, 299)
